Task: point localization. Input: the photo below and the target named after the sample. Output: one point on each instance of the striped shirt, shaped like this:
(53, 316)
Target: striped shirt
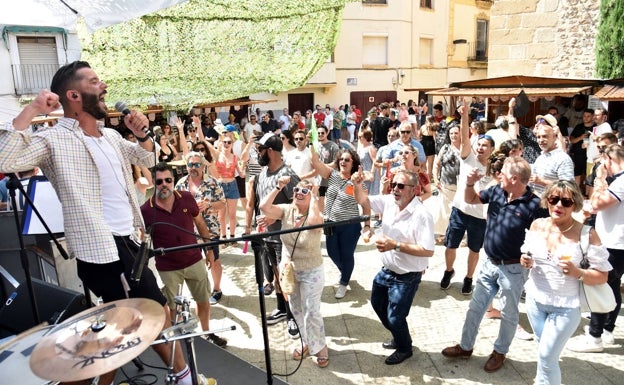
(340, 204)
(64, 157)
(552, 165)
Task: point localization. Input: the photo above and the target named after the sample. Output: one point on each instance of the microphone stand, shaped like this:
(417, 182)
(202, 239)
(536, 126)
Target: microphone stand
(14, 184)
(259, 238)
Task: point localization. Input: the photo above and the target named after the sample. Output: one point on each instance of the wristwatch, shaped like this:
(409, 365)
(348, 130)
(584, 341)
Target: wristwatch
(398, 246)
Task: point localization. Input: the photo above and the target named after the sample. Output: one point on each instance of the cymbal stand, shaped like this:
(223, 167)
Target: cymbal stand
(184, 323)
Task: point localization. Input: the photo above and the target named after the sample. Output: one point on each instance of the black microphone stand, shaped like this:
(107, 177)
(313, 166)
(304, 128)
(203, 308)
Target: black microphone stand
(260, 239)
(14, 184)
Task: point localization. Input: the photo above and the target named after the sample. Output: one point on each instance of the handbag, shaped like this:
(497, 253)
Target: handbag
(594, 298)
(287, 275)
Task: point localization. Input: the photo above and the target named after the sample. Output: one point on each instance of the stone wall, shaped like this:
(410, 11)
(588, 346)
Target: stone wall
(553, 38)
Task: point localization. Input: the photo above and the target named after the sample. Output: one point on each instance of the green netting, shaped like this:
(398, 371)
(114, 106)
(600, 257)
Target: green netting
(210, 51)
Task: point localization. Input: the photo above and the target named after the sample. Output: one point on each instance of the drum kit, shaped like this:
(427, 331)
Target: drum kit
(88, 344)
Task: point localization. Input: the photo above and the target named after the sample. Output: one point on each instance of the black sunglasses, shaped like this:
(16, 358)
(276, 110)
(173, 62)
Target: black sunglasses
(406, 132)
(401, 186)
(565, 202)
(299, 139)
(160, 181)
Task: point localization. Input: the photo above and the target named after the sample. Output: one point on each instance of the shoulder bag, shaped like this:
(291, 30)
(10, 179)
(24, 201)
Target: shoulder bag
(594, 298)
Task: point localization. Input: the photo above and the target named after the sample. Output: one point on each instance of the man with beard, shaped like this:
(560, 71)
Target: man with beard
(179, 208)
(381, 125)
(89, 167)
(269, 148)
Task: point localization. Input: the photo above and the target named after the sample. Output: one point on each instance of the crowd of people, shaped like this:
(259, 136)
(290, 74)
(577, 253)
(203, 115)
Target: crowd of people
(509, 193)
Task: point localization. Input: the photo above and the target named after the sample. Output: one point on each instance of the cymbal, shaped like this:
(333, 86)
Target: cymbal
(14, 355)
(98, 340)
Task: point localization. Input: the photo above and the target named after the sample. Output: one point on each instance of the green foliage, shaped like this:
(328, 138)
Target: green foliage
(205, 51)
(610, 40)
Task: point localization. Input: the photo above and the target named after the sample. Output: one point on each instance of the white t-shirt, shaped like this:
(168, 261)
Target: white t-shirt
(250, 128)
(592, 149)
(609, 222)
(299, 161)
(477, 210)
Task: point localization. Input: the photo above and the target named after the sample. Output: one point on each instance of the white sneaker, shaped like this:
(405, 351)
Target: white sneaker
(202, 380)
(341, 291)
(522, 334)
(585, 344)
(607, 336)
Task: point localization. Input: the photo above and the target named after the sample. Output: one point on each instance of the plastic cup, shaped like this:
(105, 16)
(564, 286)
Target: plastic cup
(565, 258)
(366, 234)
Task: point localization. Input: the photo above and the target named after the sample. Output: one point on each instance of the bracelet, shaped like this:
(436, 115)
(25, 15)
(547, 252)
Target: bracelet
(582, 276)
(143, 139)
(278, 188)
(470, 185)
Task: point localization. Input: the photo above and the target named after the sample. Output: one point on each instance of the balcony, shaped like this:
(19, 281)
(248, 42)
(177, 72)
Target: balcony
(31, 78)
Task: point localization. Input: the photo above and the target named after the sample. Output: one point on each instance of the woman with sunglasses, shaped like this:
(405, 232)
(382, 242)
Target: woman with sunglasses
(202, 145)
(340, 205)
(427, 132)
(288, 140)
(303, 251)
(552, 251)
(367, 153)
(167, 153)
(408, 159)
(170, 136)
(445, 173)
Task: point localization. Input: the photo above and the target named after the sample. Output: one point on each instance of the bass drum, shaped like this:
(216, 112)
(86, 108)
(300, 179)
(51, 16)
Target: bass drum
(15, 357)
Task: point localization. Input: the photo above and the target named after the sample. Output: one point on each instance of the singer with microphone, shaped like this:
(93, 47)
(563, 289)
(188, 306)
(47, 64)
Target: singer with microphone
(89, 166)
(179, 208)
(405, 244)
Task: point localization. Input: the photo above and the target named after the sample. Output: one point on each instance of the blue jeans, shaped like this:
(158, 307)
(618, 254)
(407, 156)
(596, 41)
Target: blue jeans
(553, 326)
(341, 248)
(492, 278)
(391, 297)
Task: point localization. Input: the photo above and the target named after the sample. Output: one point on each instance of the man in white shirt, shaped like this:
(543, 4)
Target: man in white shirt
(300, 158)
(602, 127)
(554, 163)
(284, 121)
(251, 127)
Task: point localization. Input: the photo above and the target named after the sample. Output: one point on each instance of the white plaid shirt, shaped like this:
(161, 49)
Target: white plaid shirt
(66, 160)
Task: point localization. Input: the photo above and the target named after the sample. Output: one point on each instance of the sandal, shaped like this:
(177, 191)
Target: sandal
(298, 355)
(322, 362)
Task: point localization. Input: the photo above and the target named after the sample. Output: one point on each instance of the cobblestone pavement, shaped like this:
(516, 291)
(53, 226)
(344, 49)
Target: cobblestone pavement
(354, 334)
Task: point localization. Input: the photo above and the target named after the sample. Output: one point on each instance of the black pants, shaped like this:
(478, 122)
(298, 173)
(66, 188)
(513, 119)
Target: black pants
(606, 321)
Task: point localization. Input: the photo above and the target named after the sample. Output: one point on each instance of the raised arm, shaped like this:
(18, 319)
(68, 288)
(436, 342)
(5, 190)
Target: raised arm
(321, 168)
(464, 147)
(183, 145)
(266, 205)
(514, 126)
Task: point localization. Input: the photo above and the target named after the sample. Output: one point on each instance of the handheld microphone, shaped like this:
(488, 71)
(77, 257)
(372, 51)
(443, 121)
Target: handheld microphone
(140, 260)
(121, 107)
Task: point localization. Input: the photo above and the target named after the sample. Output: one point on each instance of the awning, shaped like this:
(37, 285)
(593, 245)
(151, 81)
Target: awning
(611, 92)
(512, 91)
(225, 103)
(508, 86)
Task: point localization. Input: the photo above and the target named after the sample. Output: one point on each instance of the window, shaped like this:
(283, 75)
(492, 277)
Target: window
(482, 40)
(374, 2)
(426, 4)
(34, 59)
(375, 50)
(425, 51)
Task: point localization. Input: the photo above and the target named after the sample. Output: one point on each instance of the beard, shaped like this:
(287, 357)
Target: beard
(264, 159)
(91, 105)
(163, 194)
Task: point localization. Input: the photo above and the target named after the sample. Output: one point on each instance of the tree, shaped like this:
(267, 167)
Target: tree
(610, 40)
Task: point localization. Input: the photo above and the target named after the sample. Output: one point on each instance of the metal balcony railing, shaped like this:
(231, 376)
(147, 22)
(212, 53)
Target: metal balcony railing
(31, 78)
(477, 52)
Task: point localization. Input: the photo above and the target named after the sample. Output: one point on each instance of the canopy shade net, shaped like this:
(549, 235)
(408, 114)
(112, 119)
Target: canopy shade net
(207, 51)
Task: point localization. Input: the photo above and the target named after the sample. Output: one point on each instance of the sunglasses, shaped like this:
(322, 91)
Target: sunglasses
(485, 136)
(200, 149)
(345, 160)
(601, 149)
(299, 139)
(405, 153)
(321, 133)
(543, 121)
(406, 132)
(160, 181)
(227, 142)
(401, 186)
(282, 137)
(194, 164)
(301, 190)
(565, 202)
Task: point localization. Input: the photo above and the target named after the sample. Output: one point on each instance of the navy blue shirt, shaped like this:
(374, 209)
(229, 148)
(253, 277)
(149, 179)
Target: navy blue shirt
(507, 221)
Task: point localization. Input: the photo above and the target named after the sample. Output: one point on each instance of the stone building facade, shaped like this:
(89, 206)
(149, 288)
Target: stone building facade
(552, 38)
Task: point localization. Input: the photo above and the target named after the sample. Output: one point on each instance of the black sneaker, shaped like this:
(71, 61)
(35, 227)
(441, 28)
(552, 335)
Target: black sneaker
(215, 339)
(215, 297)
(446, 280)
(275, 317)
(467, 288)
(293, 330)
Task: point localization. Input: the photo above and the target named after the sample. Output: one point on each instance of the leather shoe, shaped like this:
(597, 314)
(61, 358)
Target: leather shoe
(389, 344)
(495, 362)
(397, 357)
(456, 352)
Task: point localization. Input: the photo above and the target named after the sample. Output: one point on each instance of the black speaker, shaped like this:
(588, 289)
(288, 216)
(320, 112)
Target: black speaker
(55, 304)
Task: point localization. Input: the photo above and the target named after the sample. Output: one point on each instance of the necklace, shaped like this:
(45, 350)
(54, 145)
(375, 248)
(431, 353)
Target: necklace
(568, 229)
(97, 138)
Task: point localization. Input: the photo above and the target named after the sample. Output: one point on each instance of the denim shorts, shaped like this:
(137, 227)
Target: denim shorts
(230, 189)
(459, 224)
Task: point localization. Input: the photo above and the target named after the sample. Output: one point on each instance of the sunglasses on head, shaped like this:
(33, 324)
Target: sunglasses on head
(565, 202)
(194, 164)
(301, 190)
(401, 186)
(485, 136)
(160, 181)
(543, 121)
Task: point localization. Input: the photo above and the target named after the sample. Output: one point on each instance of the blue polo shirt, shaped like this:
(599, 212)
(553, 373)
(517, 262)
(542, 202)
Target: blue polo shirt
(507, 221)
(397, 146)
